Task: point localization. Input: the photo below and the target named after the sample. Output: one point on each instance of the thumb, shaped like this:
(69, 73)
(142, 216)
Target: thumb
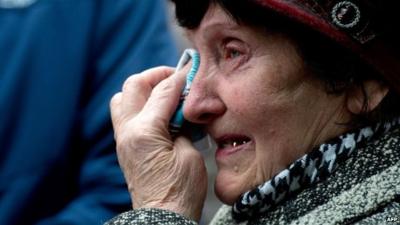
(191, 159)
(195, 176)
(183, 146)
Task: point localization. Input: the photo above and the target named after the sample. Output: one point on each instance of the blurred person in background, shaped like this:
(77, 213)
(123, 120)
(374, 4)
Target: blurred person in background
(301, 98)
(60, 63)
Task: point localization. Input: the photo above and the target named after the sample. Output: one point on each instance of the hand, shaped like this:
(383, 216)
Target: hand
(160, 172)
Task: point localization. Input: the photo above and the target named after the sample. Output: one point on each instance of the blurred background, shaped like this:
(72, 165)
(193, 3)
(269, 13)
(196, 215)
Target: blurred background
(61, 61)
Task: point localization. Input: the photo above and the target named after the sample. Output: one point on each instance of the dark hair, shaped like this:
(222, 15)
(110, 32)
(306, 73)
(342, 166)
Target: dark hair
(336, 66)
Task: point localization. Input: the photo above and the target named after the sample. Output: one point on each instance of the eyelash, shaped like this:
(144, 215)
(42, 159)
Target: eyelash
(232, 53)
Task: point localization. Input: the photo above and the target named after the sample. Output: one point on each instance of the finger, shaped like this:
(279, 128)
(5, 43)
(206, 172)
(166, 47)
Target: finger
(137, 88)
(116, 110)
(164, 99)
(115, 106)
(151, 77)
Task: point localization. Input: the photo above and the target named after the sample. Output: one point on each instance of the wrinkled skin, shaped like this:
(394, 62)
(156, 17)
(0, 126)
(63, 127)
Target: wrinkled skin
(254, 97)
(254, 88)
(160, 173)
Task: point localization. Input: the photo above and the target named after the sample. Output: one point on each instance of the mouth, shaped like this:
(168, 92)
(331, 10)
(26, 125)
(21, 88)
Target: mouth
(229, 144)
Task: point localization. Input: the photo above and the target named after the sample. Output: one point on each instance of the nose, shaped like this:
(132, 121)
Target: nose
(203, 103)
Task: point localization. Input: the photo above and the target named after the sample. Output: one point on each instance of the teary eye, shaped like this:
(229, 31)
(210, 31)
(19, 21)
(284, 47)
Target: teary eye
(231, 53)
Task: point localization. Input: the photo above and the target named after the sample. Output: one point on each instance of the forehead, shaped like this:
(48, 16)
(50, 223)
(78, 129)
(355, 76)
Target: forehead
(213, 21)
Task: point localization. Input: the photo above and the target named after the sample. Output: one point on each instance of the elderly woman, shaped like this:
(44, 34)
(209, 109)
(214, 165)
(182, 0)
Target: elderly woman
(300, 98)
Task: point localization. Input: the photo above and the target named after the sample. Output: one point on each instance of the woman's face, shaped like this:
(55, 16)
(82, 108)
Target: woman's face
(257, 101)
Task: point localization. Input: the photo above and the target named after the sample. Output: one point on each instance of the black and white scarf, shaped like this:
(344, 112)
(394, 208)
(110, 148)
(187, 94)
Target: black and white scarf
(309, 169)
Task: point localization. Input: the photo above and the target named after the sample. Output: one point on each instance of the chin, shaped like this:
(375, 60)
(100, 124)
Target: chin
(228, 188)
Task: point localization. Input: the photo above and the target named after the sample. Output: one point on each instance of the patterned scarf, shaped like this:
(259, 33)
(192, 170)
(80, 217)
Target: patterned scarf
(309, 169)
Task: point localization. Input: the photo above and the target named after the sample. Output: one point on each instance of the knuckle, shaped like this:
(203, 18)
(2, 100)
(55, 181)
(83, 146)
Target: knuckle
(115, 100)
(131, 81)
(167, 69)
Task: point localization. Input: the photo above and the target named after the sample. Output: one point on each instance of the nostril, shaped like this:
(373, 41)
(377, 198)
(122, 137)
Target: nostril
(205, 117)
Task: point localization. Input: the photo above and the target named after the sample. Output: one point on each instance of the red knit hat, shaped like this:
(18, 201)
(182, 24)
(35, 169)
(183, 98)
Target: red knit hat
(367, 27)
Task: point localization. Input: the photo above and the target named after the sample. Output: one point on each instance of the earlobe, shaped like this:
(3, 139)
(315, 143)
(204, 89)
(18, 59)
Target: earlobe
(373, 90)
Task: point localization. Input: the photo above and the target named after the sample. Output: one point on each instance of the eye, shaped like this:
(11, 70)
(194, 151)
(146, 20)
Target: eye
(231, 53)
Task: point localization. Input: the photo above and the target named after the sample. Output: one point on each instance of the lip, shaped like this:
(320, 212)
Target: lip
(224, 151)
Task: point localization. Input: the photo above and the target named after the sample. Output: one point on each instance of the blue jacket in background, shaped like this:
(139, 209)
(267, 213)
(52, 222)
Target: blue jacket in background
(60, 63)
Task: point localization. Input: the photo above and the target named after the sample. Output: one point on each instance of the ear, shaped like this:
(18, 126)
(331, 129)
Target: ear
(375, 91)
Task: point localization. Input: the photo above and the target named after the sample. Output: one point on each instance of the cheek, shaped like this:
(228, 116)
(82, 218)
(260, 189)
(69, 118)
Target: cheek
(237, 96)
(255, 105)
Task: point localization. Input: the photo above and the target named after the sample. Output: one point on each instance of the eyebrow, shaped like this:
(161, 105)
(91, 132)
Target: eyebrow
(214, 30)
